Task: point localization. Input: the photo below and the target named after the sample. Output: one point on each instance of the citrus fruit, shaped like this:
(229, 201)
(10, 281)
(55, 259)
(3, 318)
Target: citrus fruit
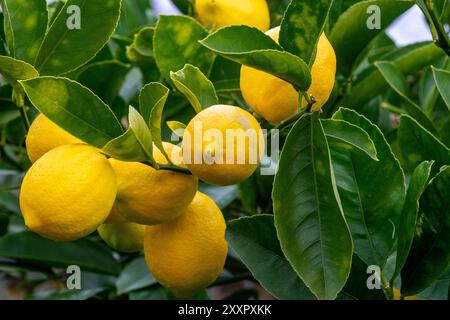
(68, 193)
(188, 253)
(221, 13)
(123, 236)
(276, 100)
(149, 196)
(44, 135)
(397, 296)
(223, 145)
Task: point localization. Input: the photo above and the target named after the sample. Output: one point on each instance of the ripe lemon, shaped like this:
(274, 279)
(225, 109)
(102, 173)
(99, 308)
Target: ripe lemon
(223, 145)
(149, 196)
(187, 254)
(222, 13)
(276, 100)
(68, 193)
(44, 135)
(397, 296)
(123, 236)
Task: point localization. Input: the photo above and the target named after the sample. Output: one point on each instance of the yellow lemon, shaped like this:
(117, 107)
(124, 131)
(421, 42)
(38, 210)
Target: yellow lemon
(44, 135)
(397, 296)
(223, 145)
(68, 193)
(187, 254)
(276, 100)
(123, 236)
(222, 13)
(149, 196)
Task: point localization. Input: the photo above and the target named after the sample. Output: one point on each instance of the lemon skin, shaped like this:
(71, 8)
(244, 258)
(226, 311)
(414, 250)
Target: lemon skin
(187, 254)
(125, 237)
(68, 193)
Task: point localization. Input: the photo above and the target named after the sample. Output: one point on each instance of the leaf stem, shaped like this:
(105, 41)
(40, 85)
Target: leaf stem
(18, 99)
(440, 36)
(173, 168)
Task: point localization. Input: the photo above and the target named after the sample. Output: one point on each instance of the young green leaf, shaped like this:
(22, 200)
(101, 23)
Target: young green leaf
(310, 223)
(197, 88)
(74, 108)
(77, 35)
(343, 134)
(429, 256)
(141, 50)
(25, 27)
(251, 47)
(176, 44)
(134, 276)
(255, 241)
(135, 144)
(418, 145)
(408, 219)
(442, 78)
(176, 127)
(302, 25)
(373, 220)
(358, 26)
(14, 70)
(86, 254)
(395, 78)
(152, 99)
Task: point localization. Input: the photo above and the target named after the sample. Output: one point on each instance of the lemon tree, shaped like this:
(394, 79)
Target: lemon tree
(289, 144)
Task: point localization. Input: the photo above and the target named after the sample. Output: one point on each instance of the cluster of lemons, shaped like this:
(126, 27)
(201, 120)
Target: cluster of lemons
(73, 189)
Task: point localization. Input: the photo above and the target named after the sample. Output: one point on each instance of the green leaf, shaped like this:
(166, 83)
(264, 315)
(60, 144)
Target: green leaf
(141, 50)
(251, 47)
(302, 25)
(197, 88)
(134, 276)
(255, 241)
(152, 100)
(64, 49)
(134, 15)
(343, 134)
(74, 108)
(25, 26)
(408, 219)
(308, 214)
(338, 8)
(222, 196)
(66, 294)
(430, 255)
(176, 44)
(418, 145)
(351, 34)
(133, 145)
(372, 203)
(176, 127)
(88, 255)
(104, 78)
(14, 70)
(395, 78)
(442, 78)
(157, 292)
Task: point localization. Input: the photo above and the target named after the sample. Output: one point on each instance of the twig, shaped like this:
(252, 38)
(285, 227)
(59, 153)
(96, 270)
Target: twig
(441, 37)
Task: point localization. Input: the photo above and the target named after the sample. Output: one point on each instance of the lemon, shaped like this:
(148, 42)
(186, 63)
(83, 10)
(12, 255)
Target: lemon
(222, 13)
(68, 193)
(123, 236)
(397, 296)
(149, 196)
(44, 135)
(276, 100)
(223, 145)
(187, 254)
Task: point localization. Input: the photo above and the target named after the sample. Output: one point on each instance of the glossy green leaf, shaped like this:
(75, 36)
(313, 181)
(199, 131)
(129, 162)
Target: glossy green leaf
(197, 88)
(429, 257)
(395, 78)
(176, 44)
(351, 33)
(408, 219)
(373, 220)
(338, 8)
(134, 14)
(343, 134)
(302, 25)
(157, 292)
(251, 47)
(74, 108)
(86, 254)
(442, 78)
(418, 145)
(134, 276)
(65, 49)
(152, 100)
(255, 241)
(308, 214)
(25, 26)
(14, 70)
(141, 50)
(133, 145)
